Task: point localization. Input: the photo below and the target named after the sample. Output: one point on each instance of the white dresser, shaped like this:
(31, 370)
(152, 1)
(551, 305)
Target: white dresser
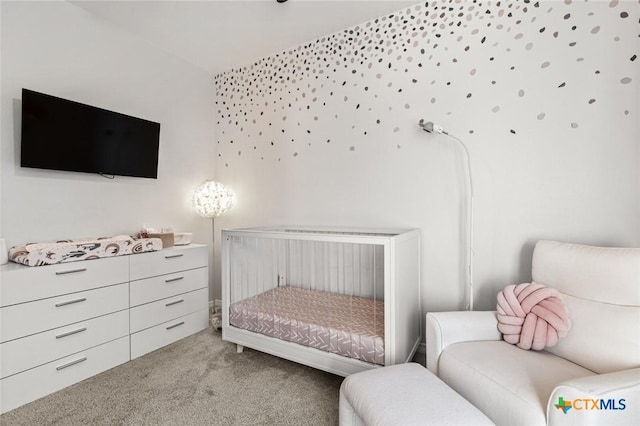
(63, 323)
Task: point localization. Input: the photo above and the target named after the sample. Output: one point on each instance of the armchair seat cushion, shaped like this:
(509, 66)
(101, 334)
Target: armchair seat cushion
(508, 384)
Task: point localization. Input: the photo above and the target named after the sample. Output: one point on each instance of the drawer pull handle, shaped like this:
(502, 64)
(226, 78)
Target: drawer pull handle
(175, 325)
(170, 280)
(70, 302)
(71, 271)
(175, 302)
(70, 333)
(69, 364)
(173, 256)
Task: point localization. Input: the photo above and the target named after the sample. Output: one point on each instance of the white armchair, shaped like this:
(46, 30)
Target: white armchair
(594, 371)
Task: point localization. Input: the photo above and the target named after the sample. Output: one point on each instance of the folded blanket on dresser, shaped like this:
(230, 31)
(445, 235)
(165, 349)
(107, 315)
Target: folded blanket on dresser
(49, 253)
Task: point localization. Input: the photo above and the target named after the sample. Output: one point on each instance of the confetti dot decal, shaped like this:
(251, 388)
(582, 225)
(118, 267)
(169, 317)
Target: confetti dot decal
(370, 83)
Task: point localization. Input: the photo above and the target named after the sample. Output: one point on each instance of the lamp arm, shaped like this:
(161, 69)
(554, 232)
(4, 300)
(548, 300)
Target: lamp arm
(470, 221)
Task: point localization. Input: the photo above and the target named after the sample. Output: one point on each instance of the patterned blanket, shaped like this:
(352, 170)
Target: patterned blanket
(40, 254)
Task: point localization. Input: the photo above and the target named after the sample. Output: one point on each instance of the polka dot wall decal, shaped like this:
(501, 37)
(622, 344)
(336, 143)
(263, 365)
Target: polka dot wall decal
(591, 101)
(352, 148)
(624, 15)
(574, 125)
(446, 35)
(541, 116)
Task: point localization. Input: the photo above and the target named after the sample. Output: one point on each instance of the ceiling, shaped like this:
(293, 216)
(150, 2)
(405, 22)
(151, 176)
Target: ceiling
(220, 35)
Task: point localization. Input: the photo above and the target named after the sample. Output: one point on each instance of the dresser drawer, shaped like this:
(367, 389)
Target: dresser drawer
(156, 288)
(22, 283)
(33, 317)
(168, 261)
(22, 354)
(32, 384)
(145, 316)
(156, 337)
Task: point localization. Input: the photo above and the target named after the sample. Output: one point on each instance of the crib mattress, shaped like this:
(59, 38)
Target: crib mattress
(340, 324)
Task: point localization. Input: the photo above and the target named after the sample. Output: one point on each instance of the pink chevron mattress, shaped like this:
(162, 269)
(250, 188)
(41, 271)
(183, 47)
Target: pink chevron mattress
(346, 325)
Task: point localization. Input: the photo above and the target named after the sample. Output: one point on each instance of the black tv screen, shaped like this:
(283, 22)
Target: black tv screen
(60, 134)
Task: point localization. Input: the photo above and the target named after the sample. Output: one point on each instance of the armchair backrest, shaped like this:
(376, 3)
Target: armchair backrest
(601, 288)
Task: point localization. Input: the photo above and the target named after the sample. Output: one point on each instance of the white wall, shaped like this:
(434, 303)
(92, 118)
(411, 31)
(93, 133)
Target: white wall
(549, 113)
(60, 49)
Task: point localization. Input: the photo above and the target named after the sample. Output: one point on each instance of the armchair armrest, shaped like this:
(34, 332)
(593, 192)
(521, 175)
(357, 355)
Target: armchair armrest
(612, 398)
(446, 328)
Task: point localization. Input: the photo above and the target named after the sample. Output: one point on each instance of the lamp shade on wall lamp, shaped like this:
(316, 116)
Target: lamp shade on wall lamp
(212, 199)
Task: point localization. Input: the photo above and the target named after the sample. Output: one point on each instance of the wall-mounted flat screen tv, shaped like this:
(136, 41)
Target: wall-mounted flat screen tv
(60, 134)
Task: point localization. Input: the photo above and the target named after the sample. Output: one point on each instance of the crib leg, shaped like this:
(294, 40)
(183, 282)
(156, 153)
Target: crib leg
(239, 349)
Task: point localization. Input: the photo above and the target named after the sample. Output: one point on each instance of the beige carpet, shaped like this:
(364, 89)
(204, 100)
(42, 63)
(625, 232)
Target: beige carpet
(199, 380)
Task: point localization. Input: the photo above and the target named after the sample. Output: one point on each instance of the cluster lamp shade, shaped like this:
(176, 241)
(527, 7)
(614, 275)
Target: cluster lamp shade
(212, 199)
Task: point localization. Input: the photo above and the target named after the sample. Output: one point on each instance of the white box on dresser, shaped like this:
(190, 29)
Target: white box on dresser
(63, 323)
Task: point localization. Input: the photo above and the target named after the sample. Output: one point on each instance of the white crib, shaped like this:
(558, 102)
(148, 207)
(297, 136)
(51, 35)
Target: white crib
(340, 300)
